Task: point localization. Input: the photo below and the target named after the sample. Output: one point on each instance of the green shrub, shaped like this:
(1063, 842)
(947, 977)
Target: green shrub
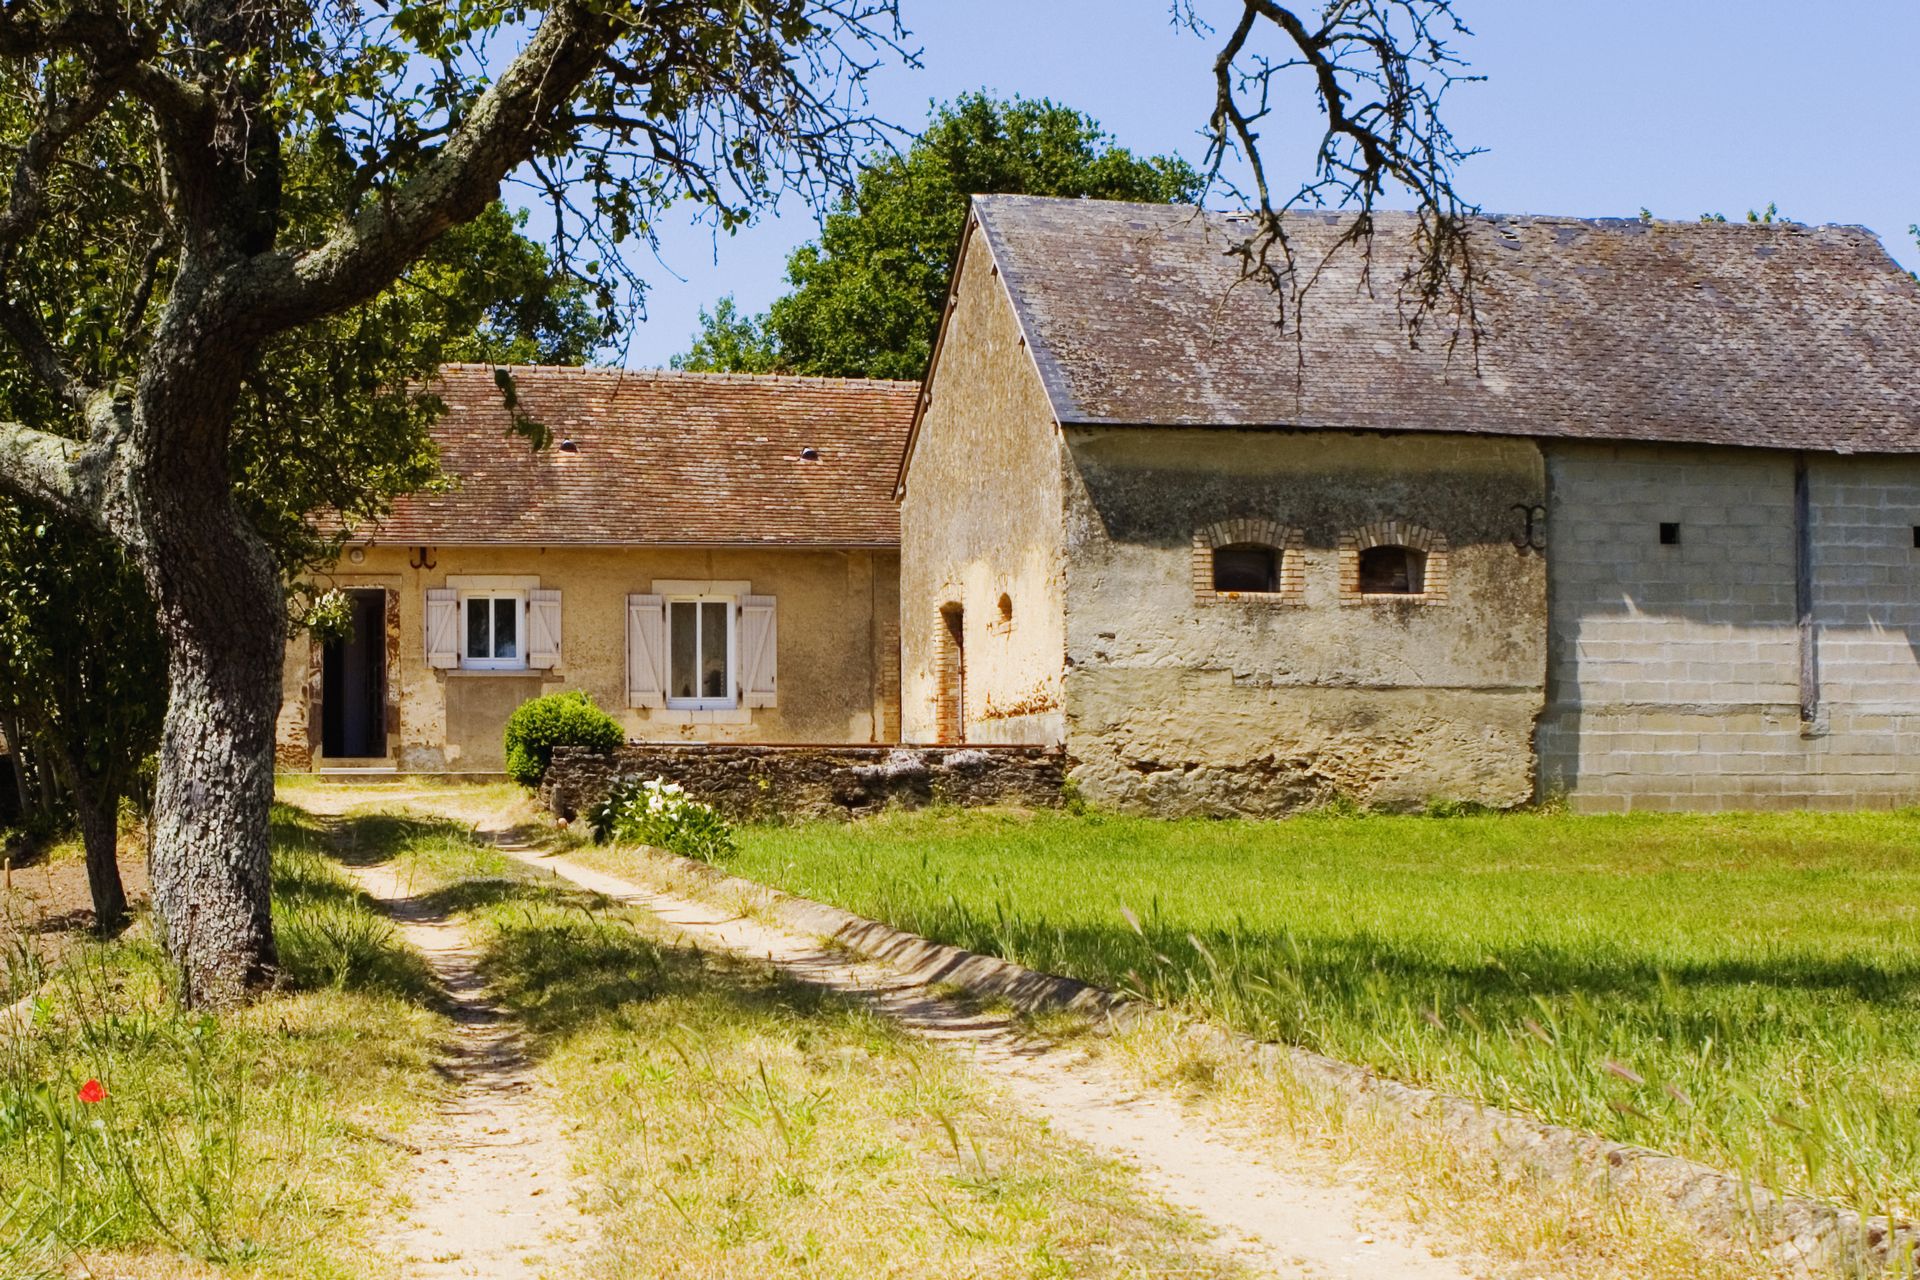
(558, 720)
(660, 814)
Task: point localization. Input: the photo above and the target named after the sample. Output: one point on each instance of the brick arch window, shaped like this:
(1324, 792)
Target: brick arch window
(1394, 560)
(1249, 559)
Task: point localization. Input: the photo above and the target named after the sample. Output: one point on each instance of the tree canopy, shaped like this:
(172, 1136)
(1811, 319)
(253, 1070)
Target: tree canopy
(865, 298)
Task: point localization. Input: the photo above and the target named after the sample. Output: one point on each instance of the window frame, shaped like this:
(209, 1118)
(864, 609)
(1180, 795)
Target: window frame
(1276, 564)
(1408, 552)
(491, 595)
(731, 701)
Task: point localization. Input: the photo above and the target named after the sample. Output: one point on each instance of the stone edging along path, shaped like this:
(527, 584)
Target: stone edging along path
(1802, 1232)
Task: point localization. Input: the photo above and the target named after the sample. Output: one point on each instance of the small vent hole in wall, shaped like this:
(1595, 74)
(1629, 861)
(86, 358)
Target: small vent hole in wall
(1669, 533)
(1916, 537)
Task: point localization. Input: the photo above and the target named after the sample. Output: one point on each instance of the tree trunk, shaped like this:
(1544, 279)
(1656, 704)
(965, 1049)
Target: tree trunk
(97, 806)
(210, 861)
(222, 614)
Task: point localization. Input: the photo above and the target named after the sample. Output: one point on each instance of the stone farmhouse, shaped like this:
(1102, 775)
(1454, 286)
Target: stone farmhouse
(713, 558)
(1645, 534)
(1652, 541)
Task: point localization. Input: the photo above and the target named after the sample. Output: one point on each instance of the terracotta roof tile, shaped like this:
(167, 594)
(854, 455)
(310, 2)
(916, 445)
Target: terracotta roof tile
(1775, 335)
(665, 459)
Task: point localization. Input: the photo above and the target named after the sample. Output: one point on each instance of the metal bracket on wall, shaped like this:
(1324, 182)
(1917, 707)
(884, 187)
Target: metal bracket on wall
(1534, 536)
(422, 558)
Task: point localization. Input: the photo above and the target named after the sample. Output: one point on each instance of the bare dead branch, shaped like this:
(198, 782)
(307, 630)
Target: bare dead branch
(1380, 70)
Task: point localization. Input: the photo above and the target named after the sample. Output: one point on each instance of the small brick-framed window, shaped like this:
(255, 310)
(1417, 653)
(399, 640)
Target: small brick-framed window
(1394, 560)
(1251, 559)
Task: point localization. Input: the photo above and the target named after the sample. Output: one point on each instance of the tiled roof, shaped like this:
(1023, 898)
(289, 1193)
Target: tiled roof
(662, 458)
(1725, 333)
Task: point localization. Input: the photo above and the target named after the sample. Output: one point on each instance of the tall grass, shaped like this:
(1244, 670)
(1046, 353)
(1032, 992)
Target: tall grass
(1741, 989)
(251, 1142)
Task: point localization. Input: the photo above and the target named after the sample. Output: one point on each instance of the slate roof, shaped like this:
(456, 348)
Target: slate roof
(662, 458)
(1775, 335)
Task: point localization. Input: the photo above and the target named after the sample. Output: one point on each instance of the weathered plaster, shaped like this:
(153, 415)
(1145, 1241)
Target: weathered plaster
(833, 685)
(1263, 704)
(981, 519)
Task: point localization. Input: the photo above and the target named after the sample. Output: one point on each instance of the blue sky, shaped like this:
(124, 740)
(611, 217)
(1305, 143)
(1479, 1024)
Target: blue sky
(1683, 106)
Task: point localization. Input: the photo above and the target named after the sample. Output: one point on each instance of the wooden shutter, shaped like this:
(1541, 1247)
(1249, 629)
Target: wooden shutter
(443, 627)
(543, 629)
(646, 651)
(759, 650)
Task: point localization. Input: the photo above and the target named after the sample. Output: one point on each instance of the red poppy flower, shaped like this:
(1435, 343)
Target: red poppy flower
(93, 1091)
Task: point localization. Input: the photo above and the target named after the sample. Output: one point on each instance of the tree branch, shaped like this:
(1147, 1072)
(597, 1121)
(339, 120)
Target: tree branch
(1380, 69)
(280, 290)
(41, 467)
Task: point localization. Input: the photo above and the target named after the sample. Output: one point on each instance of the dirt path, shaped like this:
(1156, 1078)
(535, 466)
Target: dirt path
(1277, 1221)
(490, 1189)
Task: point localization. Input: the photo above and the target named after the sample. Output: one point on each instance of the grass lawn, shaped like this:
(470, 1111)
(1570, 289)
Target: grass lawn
(733, 1123)
(252, 1144)
(1743, 989)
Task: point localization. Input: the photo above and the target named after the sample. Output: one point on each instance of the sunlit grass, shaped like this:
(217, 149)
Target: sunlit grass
(250, 1144)
(736, 1124)
(1741, 989)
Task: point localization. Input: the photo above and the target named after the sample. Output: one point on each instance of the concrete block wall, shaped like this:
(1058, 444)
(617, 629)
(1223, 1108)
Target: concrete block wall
(1674, 676)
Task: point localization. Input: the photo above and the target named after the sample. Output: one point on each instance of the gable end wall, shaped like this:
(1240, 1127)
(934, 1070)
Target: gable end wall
(981, 518)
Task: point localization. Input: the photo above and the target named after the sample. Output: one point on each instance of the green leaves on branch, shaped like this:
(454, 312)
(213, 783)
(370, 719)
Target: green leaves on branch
(866, 297)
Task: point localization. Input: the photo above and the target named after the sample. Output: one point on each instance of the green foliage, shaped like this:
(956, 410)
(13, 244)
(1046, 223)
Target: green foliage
(865, 299)
(658, 813)
(1758, 216)
(729, 342)
(1737, 988)
(567, 719)
(82, 669)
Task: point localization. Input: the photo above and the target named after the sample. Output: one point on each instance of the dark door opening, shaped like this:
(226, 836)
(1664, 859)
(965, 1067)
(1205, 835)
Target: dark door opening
(353, 684)
(950, 724)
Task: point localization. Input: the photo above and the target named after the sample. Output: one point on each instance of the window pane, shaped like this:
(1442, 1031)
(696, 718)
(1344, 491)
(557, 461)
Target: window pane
(682, 649)
(506, 628)
(477, 637)
(1393, 571)
(1246, 566)
(713, 650)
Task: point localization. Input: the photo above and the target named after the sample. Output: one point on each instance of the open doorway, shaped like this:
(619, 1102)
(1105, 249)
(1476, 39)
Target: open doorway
(353, 684)
(950, 721)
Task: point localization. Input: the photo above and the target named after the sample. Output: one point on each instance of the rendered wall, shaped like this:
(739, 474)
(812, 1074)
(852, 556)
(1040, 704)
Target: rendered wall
(1180, 704)
(1676, 670)
(836, 671)
(981, 519)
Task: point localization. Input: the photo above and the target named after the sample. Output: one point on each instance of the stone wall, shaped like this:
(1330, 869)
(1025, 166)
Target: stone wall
(981, 532)
(1183, 700)
(768, 783)
(1677, 678)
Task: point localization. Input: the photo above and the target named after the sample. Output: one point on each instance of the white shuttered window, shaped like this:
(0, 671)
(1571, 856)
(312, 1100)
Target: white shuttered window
(443, 628)
(543, 629)
(759, 651)
(646, 651)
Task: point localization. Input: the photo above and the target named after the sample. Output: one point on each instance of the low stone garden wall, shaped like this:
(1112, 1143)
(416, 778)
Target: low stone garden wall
(772, 783)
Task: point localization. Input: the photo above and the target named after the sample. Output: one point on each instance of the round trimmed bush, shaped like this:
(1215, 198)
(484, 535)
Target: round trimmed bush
(567, 719)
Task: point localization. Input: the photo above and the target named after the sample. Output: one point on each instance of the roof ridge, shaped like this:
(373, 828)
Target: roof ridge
(689, 375)
(1706, 226)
